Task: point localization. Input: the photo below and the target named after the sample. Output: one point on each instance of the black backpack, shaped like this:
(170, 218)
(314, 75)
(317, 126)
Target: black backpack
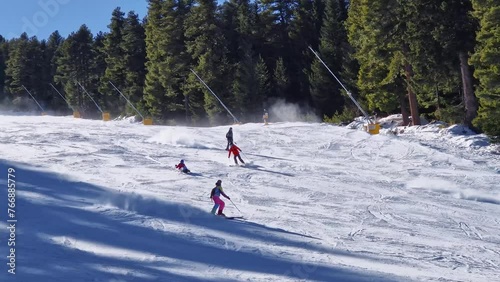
(213, 192)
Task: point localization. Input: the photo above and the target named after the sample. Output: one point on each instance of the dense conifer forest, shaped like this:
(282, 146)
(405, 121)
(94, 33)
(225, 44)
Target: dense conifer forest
(437, 59)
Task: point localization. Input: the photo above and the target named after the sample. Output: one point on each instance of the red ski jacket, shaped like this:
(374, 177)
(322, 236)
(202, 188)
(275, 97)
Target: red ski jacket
(179, 166)
(235, 150)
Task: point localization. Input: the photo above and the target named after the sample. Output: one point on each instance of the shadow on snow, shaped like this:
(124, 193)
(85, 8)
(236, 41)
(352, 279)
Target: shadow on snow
(50, 206)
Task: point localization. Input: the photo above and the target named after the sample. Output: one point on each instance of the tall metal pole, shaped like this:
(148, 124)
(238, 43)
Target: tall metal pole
(130, 103)
(235, 119)
(90, 97)
(33, 98)
(69, 105)
(348, 92)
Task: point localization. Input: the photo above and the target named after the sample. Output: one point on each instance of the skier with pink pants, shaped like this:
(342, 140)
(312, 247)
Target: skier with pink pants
(215, 196)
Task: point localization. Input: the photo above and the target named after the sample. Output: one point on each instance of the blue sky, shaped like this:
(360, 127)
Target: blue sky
(42, 17)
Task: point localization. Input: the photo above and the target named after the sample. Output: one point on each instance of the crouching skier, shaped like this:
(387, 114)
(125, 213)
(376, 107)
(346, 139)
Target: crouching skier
(182, 167)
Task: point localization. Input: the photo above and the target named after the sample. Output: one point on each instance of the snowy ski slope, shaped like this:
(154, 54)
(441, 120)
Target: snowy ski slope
(101, 201)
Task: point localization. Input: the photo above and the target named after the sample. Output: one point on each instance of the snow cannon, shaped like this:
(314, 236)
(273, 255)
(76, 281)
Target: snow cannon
(372, 128)
(147, 121)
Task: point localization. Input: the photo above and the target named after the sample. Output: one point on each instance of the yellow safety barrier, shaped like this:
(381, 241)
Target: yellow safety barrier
(76, 114)
(106, 116)
(148, 121)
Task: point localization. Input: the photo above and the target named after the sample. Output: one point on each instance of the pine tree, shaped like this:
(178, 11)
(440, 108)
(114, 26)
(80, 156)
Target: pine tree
(304, 33)
(115, 63)
(277, 17)
(280, 78)
(134, 48)
(278, 14)
(17, 68)
(245, 84)
(485, 61)
(228, 16)
(378, 31)
(75, 66)
(4, 53)
(440, 35)
(325, 90)
(167, 59)
(51, 54)
(457, 33)
(24, 67)
(204, 45)
(264, 83)
(98, 67)
(433, 71)
(43, 75)
(153, 89)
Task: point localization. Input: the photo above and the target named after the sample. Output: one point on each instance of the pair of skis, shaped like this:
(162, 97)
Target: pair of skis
(230, 217)
(234, 217)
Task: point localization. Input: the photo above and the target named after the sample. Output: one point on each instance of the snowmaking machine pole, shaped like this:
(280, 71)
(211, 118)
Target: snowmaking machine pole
(348, 92)
(69, 105)
(130, 103)
(90, 97)
(235, 119)
(43, 112)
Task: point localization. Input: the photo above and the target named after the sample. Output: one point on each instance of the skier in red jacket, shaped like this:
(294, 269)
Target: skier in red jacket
(236, 152)
(182, 167)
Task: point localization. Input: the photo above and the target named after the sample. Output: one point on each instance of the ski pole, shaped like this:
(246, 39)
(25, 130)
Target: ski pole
(235, 206)
(245, 156)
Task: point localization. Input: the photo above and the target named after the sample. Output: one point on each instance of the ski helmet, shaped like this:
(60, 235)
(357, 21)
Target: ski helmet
(182, 161)
(219, 182)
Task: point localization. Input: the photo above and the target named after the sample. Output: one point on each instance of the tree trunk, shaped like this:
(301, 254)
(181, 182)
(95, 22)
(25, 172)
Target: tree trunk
(412, 97)
(470, 100)
(404, 110)
(186, 108)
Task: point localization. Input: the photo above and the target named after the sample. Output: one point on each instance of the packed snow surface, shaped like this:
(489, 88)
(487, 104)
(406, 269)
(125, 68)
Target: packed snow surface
(102, 201)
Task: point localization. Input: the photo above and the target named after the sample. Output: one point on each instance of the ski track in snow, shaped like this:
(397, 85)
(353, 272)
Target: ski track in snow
(102, 201)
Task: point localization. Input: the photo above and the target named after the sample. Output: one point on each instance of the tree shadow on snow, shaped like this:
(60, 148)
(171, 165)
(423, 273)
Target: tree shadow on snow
(74, 231)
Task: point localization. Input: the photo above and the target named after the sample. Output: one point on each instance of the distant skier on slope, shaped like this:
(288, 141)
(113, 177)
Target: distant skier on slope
(215, 196)
(182, 167)
(236, 152)
(229, 137)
